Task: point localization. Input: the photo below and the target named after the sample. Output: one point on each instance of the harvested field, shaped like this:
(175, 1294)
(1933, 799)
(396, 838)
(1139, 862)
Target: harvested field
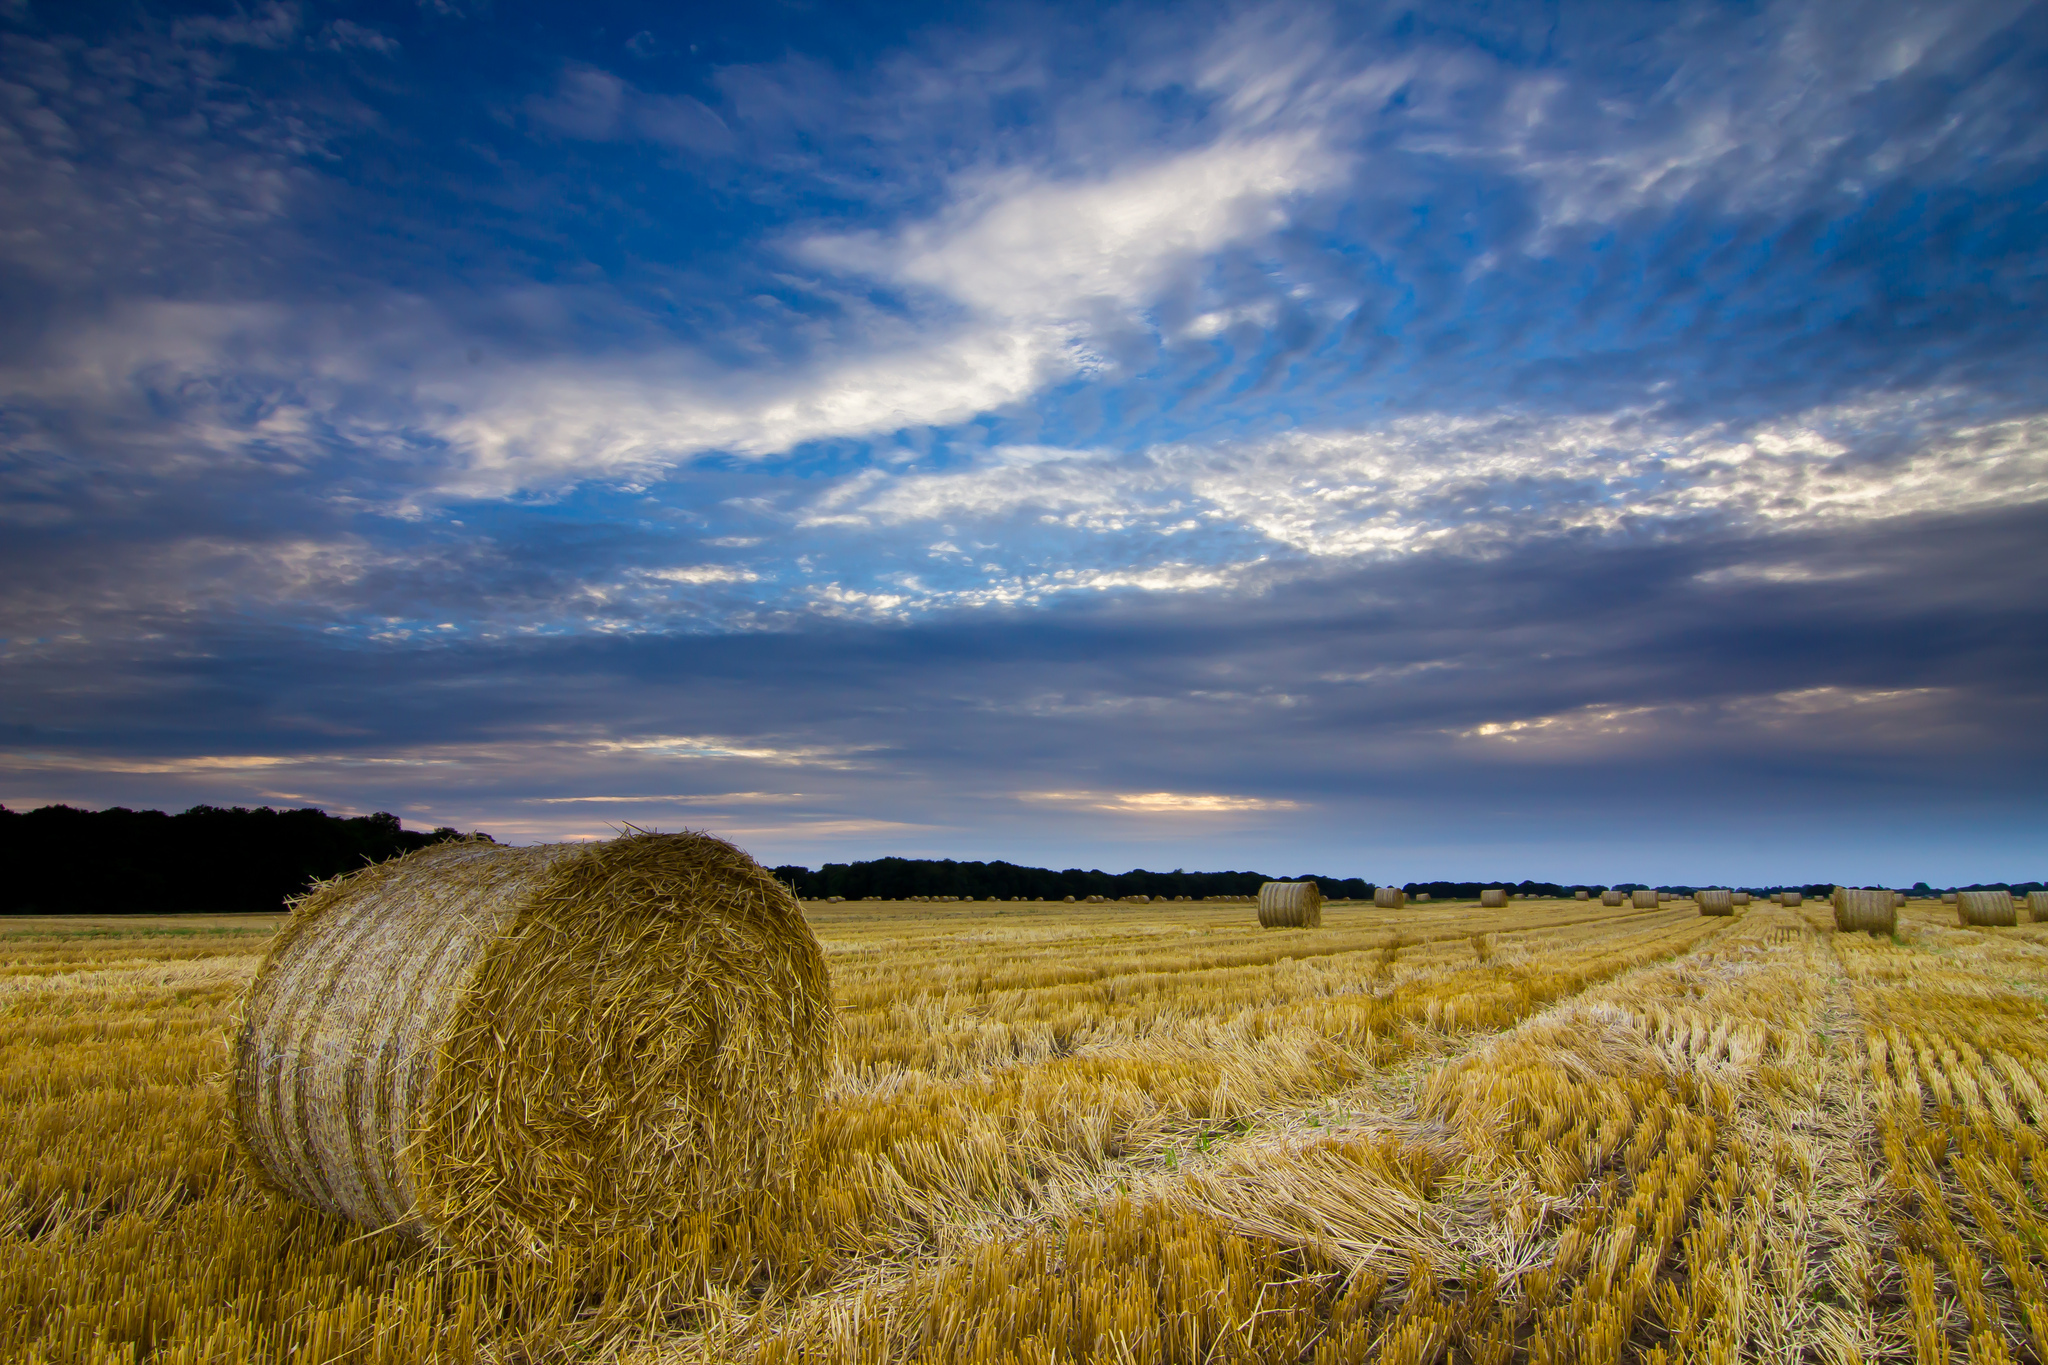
(1550, 1131)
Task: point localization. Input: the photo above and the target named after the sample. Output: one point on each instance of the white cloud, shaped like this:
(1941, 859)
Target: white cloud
(704, 573)
(1831, 717)
(1161, 803)
(1475, 482)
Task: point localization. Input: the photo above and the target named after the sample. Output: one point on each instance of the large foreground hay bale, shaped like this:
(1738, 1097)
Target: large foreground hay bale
(514, 1050)
(1715, 902)
(1493, 897)
(1870, 909)
(1389, 898)
(2037, 906)
(1611, 897)
(1986, 909)
(1291, 905)
(1644, 899)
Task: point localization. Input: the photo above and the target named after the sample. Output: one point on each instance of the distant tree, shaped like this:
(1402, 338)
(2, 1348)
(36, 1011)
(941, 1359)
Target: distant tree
(61, 860)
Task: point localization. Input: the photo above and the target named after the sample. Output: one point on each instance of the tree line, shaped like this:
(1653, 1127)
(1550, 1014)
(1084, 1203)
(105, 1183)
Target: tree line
(60, 860)
(897, 878)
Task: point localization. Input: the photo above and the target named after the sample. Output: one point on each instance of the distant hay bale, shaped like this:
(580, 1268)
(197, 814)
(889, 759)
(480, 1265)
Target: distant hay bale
(1068, 901)
(1948, 898)
(1097, 900)
(1611, 898)
(1739, 897)
(1581, 894)
(2037, 906)
(1715, 902)
(1645, 899)
(1985, 909)
(1899, 899)
(1791, 898)
(509, 1051)
(1868, 908)
(1493, 897)
(1422, 895)
(1291, 905)
(1389, 898)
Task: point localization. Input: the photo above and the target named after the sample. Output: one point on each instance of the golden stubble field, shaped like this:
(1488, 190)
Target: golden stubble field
(1550, 1132)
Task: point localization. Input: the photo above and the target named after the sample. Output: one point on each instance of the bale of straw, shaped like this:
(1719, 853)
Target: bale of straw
(1422, 895)
(1985, 909)
(1611, 898)
(1493, 896)
(1644, 899)
(1715, 902)
(1389, 898)
(1581, 894)
(2037, 906)
(1791, 898)
(511, 1051)
(1948, 898)
(1291, 905)
(1870, 909)
(1739, 897)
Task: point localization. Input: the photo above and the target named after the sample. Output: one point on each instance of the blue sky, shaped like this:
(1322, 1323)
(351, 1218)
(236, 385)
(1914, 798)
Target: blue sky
(1595, 442)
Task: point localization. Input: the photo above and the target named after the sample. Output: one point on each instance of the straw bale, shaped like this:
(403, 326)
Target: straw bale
(1791, 898)
(1870, 909)
(2037, 906)
(1389, 898)
(1948, 898)
(1739, 897)
(1644, 899)
(1985, 909)
(1715, 902)
(1494, 896)
(1612, 897)
(1291, 905)
(1581, 894)
(509, 1051)
(1422, 895)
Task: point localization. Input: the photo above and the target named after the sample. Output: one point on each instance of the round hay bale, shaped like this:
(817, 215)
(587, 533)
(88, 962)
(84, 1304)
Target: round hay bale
(1715, 902)
(1581, 894)
(1789, 898)
(1739, 897)
(509, 1051)
(1870, 909)
(1948, 898)
(1611, 898)
(1389, 898)
(2037, 906)
(1493, 897)
(1291, 905)
(1985, 909)
(1422, 895)
(1644, 899)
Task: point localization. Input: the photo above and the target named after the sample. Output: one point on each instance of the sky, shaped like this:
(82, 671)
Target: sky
(1590, 442)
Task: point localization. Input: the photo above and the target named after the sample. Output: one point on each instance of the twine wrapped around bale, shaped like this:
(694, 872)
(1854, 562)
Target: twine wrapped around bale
(1389, 898)
(1291, 905)
(1611, 898)
(1644, 899)
(1715, 902)
(509, 1051)
(1985, 909)
(1870, 909)
(2037, 906)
